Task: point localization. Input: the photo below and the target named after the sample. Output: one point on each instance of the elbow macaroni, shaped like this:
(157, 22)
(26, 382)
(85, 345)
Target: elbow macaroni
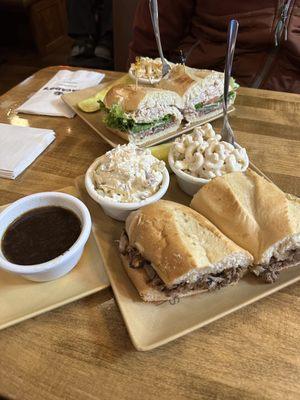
(202, 154)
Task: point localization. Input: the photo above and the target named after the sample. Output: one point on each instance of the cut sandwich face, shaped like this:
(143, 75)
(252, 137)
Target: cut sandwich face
(168, 251)
(195, 112)
(256, 215)
(153, 288)
(284, 253)
(201, 90)
(138, 113)
(287, 258)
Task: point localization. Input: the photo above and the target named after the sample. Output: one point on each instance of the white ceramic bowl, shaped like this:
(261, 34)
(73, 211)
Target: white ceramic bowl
(62, 264)
(117, 210)
(188, 183)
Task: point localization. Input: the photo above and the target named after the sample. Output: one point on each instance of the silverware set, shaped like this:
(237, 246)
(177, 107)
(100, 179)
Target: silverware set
(227, 132)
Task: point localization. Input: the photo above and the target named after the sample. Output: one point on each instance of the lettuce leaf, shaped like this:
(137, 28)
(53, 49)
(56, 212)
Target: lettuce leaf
(233, 85)
(115, 118)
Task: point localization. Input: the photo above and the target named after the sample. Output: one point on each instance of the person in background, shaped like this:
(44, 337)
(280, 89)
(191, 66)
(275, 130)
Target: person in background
(90, 25)
(268, 45)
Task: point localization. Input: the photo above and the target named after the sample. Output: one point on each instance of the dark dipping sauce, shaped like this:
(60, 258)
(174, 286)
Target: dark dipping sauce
(40, 235)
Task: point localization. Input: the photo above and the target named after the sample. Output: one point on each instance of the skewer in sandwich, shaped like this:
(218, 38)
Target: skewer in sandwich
(169, 250)
(257, 216)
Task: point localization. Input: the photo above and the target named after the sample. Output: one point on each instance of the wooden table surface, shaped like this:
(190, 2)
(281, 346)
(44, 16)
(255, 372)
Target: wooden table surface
(82, 351)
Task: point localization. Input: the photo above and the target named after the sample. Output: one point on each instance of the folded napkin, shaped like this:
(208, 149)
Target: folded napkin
(47, 101)
(20, 146)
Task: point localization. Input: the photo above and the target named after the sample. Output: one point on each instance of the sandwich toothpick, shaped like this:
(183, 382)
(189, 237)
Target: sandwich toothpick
(182, 58)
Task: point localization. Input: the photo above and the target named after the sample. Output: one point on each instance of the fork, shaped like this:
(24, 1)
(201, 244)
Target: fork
(227, 132)
(154, 18)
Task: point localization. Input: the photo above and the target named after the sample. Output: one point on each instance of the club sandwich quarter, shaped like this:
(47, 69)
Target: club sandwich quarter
(201, 91)
(140, 114)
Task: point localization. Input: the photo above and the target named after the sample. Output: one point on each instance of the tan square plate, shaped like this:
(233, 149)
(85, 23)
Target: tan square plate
(94, 119)
(151, 325)
(22, 299)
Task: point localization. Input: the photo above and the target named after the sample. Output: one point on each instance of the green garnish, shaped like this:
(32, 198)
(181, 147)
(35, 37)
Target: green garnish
(102, 106)
(115, 118)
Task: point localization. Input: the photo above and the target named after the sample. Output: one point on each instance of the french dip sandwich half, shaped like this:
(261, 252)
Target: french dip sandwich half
(169, 250)
(139, 113)
(201, 91)
(256, 215)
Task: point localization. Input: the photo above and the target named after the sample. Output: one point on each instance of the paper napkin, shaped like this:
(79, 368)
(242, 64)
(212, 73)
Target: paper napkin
(47, 101)
(20, 146)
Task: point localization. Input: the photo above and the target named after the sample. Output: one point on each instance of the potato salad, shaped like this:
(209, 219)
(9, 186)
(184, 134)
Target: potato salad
(128, 174)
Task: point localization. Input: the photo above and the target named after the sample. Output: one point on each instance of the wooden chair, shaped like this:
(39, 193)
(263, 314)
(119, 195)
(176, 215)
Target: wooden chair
(123, 14)
(47, 20)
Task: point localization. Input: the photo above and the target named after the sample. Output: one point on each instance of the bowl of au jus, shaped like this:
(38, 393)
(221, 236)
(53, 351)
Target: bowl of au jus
(42, 236)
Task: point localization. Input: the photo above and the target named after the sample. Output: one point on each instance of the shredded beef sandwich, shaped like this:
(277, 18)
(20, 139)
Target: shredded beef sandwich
(257, 216)
(169, 250)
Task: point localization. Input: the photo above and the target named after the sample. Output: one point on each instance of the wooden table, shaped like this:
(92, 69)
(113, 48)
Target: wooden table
(82, 351)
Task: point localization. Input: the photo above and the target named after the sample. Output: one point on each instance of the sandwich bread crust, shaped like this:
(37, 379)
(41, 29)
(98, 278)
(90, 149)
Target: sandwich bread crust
(188, 82)
(252, 212)
(180, 80)
(131, 97)
(181, 244)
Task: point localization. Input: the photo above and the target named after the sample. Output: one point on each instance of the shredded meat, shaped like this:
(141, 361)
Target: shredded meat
(149, 114)
(135, 258)
(206, 281)
(212, 100)
(152, 131)
(270, 272)
(192, 113)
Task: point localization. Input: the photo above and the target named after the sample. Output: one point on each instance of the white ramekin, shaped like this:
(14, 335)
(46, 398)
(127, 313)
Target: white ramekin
(62, 264)
(188, 183)
(117, 210)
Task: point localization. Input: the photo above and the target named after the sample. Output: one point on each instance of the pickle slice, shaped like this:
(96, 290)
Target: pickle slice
(89, 105)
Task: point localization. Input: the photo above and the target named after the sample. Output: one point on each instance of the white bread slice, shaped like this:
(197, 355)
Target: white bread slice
(131, 97)
(190, 82)
(252, 212)
(181, 244)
